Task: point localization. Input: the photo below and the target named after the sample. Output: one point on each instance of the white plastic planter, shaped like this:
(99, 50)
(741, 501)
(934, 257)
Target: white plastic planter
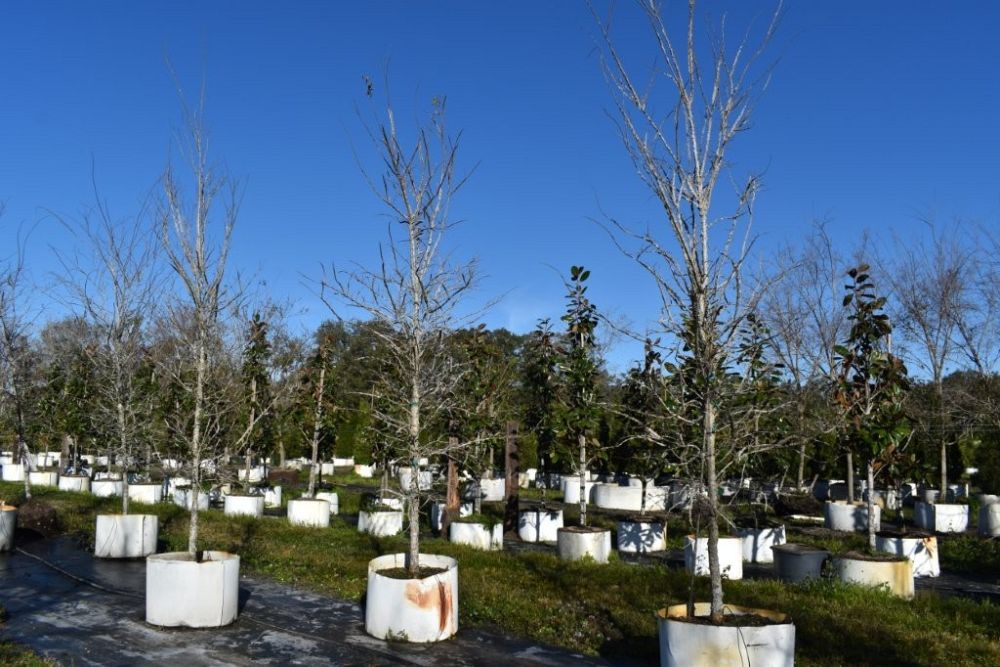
(693, 644)
(629, 498)
(577, 543)
(272, 497)
(537, 525)
(12, 472)
(43, 478)
(571, 489)
(641, 536)
(849, 518)
(126, 535)
(922, 550)
(730, 556)
(392, 501)
(326, 468)
(347, 462)
(175, 483)
(8, 523)
(493, 489)
(894, 575)
(331, 498)
(413, 610)
(797, 562)
(477, 535)
(759, 542)
(255, 475)
(237, 505)
(182, 592)
(424, 479)
(941, 517)
(77, 483)
(380, 524)
(185, 498)
(311, 512)
(988, 498)
(106, 488)
(989, 520)
(437, 513)
(532, 474)
(363, 470)
(149, 494)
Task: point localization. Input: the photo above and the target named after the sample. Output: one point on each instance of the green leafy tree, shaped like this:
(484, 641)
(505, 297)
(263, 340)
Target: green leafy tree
(871, 383)
(257, 386)
(579, 409)
(539, 392)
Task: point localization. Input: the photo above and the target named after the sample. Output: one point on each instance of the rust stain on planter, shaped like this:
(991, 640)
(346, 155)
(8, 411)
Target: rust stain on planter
(930, 543)
(426, 597)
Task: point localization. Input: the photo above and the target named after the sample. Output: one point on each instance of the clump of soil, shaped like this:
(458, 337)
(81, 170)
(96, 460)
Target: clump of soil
(797, 503)
(404, 573)
(39, 517)
(583, 529)
(733, 620)
(874, 556)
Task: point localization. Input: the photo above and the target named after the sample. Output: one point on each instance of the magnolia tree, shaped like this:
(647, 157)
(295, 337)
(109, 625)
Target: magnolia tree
(871, 383)
(412, 297)
(578, 364)
(679, 135)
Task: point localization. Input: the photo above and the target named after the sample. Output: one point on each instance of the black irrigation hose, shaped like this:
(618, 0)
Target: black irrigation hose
(244, 616)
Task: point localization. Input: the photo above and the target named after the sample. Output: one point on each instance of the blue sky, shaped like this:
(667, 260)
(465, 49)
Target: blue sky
(877, 113)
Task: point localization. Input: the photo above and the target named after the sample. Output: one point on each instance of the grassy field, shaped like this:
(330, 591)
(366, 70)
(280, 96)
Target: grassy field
(599, 609)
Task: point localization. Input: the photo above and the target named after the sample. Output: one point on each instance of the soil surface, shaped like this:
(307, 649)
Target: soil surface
(78, 610)
(404, 573)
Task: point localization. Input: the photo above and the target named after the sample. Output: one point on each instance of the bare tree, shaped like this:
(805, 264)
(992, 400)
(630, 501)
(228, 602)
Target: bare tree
(197, 244)
(115, 287)
(679, 143)
(413, 294)
(16, 321)
(802, 310)
(930, 285)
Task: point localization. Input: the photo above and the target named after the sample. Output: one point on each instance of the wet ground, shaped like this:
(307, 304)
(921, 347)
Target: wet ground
(79, 610)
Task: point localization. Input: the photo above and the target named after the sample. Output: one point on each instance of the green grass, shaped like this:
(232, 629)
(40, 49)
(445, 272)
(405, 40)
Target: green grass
(598, 609)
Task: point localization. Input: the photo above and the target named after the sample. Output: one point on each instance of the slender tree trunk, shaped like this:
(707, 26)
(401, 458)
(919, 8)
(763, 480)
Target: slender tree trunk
(477, 494)
(196, 436)
(123, 448)
(871, 506)
(451, 500)
(939, 398)
(317, 422)
(581, 440)
(801, 475)
(714, 569)
(413, 502)
(850, 476)
(22, 443)
(512, 469)
(253, 416)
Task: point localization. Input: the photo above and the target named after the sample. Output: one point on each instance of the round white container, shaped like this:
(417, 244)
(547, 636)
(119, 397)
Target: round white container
(537, 525)
(686, 644)
(730, 556)
(641, 536)
(238, 505)
(380, 524)
(182, 592)
(106, 488)
(415, 610)
(126, 535)
(758, 542)
(894, 575)
(149, 494)
(43, 478)
(76, 483)
(575, 544)
(922, 551)
(849, 518)
(477, 535)
(332, 498)
(12, 472)
(8, 524)
(311, 512)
